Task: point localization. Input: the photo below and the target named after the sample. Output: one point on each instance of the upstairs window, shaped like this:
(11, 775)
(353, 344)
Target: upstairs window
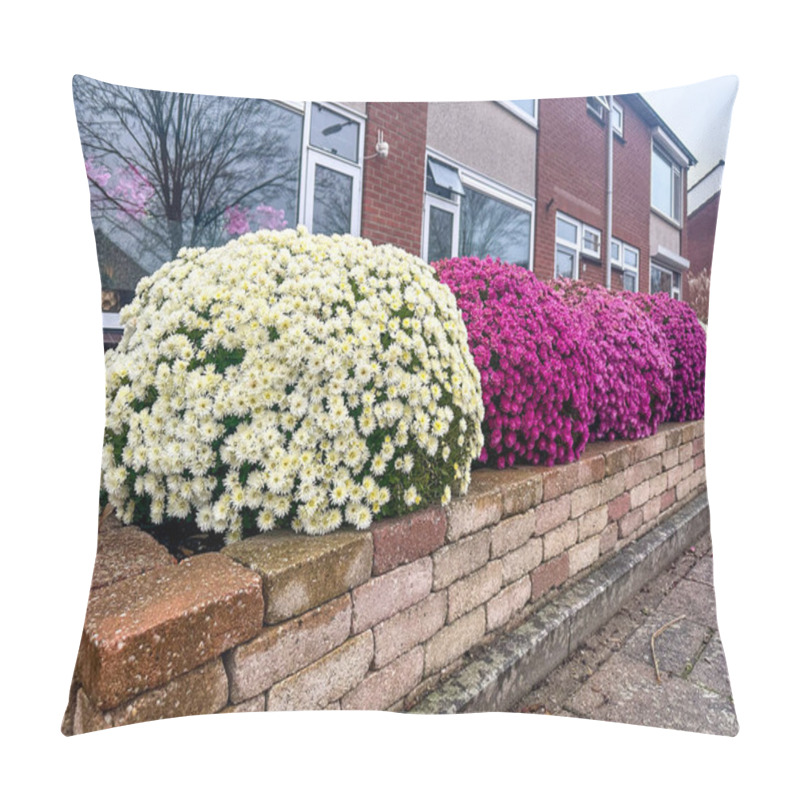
(666, 185)
(598, 105)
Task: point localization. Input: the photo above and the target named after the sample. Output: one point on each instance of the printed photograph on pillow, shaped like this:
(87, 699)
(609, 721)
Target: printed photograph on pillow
(404, 407)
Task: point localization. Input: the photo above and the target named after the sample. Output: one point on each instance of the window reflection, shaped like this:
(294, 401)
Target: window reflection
(333, 201)
(490, 227)
(334, 133)
(169, 170)
(440, 234)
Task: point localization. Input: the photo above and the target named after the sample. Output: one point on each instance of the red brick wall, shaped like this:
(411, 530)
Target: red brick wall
(572, 173)
(701, 227)
(394, 187)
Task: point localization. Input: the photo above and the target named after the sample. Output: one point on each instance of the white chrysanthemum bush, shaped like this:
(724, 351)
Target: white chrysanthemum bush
(289, 379)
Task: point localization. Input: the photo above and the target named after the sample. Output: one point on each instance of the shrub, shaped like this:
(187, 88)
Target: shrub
(532, 359)
(289, 379)
(686, 340)
(629, 392)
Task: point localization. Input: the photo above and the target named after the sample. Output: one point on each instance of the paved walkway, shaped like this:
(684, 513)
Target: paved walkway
(612, 676)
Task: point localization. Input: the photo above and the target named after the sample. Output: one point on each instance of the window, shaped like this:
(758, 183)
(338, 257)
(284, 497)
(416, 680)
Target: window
(625, 258)
(239, 165)
(524, 109)
(665, 280)
(598, 105)
(470, 216)
(574, 238)
(666, 185)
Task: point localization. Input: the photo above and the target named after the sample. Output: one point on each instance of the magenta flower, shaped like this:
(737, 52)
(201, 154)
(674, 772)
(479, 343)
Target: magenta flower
(236, 220)
(631, 368)
(530, 349)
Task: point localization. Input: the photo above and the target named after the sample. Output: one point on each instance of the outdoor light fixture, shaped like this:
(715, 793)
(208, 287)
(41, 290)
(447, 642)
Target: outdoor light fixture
(382, 147)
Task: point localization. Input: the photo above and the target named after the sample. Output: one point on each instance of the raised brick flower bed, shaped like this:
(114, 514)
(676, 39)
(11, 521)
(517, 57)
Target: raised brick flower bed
(360, 619)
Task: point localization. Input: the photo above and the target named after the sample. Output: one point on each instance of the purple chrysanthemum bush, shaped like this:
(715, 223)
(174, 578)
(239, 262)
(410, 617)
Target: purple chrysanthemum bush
(530, 349)
(686, 341)
(631, 366)
(573, 362)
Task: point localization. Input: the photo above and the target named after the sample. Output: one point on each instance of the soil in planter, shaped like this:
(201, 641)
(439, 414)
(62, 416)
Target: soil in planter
(184, 540)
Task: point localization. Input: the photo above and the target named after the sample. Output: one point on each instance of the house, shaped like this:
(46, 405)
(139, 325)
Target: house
(703, 208)
(525, 181)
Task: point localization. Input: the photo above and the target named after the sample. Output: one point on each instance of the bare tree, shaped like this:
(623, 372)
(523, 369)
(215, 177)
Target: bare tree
(168, 170)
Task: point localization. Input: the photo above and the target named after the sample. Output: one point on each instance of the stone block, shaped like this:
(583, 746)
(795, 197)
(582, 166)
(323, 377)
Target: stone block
(512, 533)
(551, 514)
(583, 555)
(558, 540)
(684, 452)
(585, 499)
(698, 445)
(501, 608)
(640, 494)
(667, 499)
(522, 560)
(383, 596)
(642, 471)
(608, 538)
(283, 649)
(673, 434)
(411, 627)
(619, 506)
(658, 484)
(630, 523)
(460, 558)
(146, 630)
(454, 640)
(699, 460)
(386, 686)
(203, 690)
(405, 539)
(560, 480)
(257, 703)
(669, 459)
(475, 589)
(476, 510)
(642, 449)
(123, 552)
(303, 572)
(592, 522)
(325, 681)
(612, 486)
(524, 492)
(548, 575)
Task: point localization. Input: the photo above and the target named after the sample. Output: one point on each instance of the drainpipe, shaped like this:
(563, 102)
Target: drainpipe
(609, 185)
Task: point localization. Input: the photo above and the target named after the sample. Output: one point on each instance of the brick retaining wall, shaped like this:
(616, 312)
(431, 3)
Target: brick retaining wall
(360, 620)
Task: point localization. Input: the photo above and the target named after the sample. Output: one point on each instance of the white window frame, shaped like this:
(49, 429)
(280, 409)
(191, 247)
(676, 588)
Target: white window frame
(598, 106)
(311, 156)
(618, 129)
(450, 207)
(579, 247)
(675, 290)
(619, 262)
(477, 183)
(509, 105)
(675, 214)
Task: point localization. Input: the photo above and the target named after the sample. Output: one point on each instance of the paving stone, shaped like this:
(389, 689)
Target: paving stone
(142, 632)
(677, 647)
(415, 625)
(628, 692)
(386, 595)
(711, 670)
(696, 600)
(281, 650)
(405, 539)
(202, 691)
(123, 552)
(326, 680)
(302, 572)
(703, 571)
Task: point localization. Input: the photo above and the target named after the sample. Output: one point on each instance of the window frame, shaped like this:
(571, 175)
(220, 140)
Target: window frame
(476, 183)
(603, 113)
(676, 286)
(517, 111)
(578, 247)
(675, 215)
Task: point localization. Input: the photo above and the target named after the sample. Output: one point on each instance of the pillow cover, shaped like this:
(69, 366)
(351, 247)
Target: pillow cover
(387, 402)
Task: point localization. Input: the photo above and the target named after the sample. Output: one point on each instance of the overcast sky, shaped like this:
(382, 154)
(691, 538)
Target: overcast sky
(700, 115)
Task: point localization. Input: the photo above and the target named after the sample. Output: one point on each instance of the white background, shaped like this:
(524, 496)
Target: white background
(52, 387)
